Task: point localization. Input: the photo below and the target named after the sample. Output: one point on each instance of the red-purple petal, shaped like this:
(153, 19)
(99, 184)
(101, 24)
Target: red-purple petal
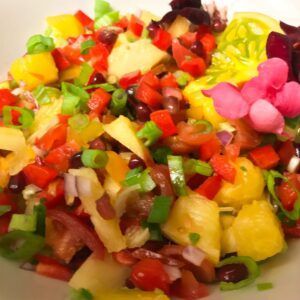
(288, 99)
(228, 101)
(264, 117)
(254, 90)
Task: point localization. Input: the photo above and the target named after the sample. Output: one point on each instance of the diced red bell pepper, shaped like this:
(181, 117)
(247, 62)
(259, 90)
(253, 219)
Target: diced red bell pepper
(181, 53)
(122, 23)
(188, 39)
(55, 137)
(130, 79)
(194, 66)
(151, 79)
(162, 39)
(232, 151)
(85, 20)
(169, 80)
(7, 98)
(292, 232)
(202, 30)
(264, 157)
(136, 25)
(99, 57)
(99, 101)
(148, 95)
(71, 54)
(4, 223)
(40, 176)
(7, 199)
(63, 119)
(164, 121)
(209, 149)
(210, 187)
(223, 167)
(62, 63)
(286, 151)
(209, 42)
(287, 195)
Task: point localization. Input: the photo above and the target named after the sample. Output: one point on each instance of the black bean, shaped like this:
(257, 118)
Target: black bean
(75, 161)
(107, 37)
(171, 104)
(98, 78)
(142, 112)
(136, 162)
(17, 183)
(198, 49)
(232, 273)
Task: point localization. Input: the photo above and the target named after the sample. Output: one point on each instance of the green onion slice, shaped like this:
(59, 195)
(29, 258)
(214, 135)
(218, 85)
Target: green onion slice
(150, 132)
(4, 209)
(192, 166)
(26, 117)
(79, 122)
(160, 155)
(194, 237)
(86, 46)
(118, 102)
(92, 158)
(175, 164)
(160, 209)
(45, 95)
(39, 44)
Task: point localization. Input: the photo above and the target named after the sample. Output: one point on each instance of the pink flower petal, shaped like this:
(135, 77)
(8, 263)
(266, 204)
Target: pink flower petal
(288, 100)
(254, 90)
(273, 73)
(228, 101)
(264, 117)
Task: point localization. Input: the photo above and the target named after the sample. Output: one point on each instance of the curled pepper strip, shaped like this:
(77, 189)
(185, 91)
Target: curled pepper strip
(251, 265)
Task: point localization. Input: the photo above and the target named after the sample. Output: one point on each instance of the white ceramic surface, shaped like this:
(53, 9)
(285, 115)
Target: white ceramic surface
(19, 19)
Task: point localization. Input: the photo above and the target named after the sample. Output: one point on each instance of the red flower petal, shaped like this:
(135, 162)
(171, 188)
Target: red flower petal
(288, 100)
(228, 101)
(254, 90)
(264, 117)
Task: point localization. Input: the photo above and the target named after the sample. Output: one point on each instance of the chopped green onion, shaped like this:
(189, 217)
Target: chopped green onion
(141, 179)
(264, 286)
(154, 229)
(118, 102)
(20, 245)
(252, 267)
(175, 164)
(160, 210)
(26, 118)
(160, 155)
(194, 238)
(85, 74)
(105, 86)
(93, 158)
(208, 127)
(150, 132)
(182, 78)
(107, 20)
(193, 166)
(45, 95)
(102, 8)
(23, 222)
(145, 33)
(4, 209)
(39, 44)
(79, 122)
(86, 46)
(81, 294)
(40, 212)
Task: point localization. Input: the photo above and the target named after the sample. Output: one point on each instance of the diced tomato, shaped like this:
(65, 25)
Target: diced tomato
(130, 79)
(181, 53)
(286, 151)
(287, 195)
(223, 167)
(125, 258)
(202, 30)
(210, 187)
(4, 223)
(209, 42)
(71, 54)
(169, 80)
(63, 119)
(151, 79)
(59, 157)
(194, 66)
(40, 176)
(188, 39)
(62, 63)
(148, 95)
(51, 268)
(163, 119)
(136, 25)
(162, 39)
(7, 199)
(209, 149)
(292, 232)
(55, 137)
(99, 57)
(15, 117)
(122, 23)
(85, 20)
(232, 151)
(149, 274)
(264, 157)
(99, 101)
(7, 98)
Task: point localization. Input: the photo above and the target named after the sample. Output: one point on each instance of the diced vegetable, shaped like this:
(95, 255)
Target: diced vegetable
(210, 187)
(140, 178)
(160, 210)
(92, 158)
(192, 166)
(150, 132)
(175, 164)
(39, 44)
(163, 119)
(264, 157)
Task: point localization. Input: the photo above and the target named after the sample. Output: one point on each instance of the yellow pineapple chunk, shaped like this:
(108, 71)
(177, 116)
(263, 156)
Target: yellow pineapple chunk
(257, 231)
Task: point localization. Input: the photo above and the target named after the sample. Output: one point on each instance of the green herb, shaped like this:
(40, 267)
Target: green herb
(160, 210)
(175, 164)
(252, 267)
(193, 166)
(194, 238)
(244, 169)
(264, 286)
(182, 78)
(39, 44)
(26, 117)
(40, 212)
(23, 222)
(160, 155)
(150, 132)
(79, 121)
(45, 95)
(86, 46)
(118, 102)
(85, 74)
(4, 209)
(105, 86)
(145, 33)
(207, 126)
(81, 294)
(104, 14)
(93, 158)
(154, 229)
(20, 245)
(108, 19)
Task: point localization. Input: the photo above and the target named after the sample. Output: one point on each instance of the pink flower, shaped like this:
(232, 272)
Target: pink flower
(264, 100)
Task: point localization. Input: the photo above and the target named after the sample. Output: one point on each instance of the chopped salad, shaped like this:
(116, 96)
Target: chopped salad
(146, 157)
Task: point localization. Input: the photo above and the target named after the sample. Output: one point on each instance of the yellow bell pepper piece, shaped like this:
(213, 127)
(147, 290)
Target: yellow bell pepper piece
(70, 73)
(116, 167)
(4, 176)
(66, 26)
(34, 69)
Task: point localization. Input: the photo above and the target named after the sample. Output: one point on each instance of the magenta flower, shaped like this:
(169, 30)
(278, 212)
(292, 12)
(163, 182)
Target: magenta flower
(264, 100)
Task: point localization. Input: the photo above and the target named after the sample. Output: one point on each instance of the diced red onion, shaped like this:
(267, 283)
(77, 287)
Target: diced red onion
(27, 266)
(172, 92)
(70, 185)
(84, 186)
(193, 255)
(105, 209)
(173, 273)
(294, 164)
(225, 137)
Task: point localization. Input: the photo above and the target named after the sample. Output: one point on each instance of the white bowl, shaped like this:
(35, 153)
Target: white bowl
(20, 19)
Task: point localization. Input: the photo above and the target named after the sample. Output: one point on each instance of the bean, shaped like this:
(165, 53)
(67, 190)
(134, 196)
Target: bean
(232, 273)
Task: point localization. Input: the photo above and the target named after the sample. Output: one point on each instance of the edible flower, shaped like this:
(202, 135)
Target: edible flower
(264, 100)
